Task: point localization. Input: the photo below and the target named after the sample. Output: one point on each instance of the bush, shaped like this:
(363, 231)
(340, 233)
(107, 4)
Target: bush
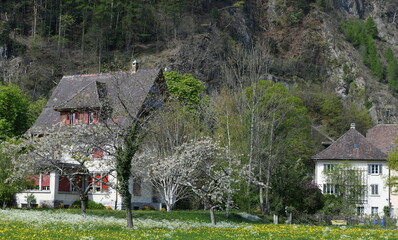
(91, 205)
(148, 208)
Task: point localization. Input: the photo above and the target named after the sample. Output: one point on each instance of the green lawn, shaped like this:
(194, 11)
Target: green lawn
(100, 224)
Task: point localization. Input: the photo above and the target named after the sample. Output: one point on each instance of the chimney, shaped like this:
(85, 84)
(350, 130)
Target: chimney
(352, 125)
(134, 66)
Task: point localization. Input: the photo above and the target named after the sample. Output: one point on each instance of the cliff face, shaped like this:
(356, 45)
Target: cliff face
(307, 45)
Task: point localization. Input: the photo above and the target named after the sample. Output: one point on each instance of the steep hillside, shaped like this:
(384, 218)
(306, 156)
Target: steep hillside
(303, 41)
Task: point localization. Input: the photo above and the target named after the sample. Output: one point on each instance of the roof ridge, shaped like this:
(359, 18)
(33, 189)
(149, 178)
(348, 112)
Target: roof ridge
(108, 73)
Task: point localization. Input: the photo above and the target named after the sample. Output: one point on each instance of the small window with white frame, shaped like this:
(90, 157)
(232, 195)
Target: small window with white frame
(374, 189)
(374, 211)
(375, 169)
(328, 167)
(329, 188)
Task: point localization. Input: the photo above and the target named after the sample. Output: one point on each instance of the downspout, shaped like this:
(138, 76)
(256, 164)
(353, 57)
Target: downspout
(389, 191)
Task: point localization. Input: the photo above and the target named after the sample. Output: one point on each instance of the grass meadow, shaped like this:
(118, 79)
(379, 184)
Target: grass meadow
(107, 224)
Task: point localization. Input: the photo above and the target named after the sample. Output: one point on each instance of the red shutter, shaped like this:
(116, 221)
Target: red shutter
(67, 120)
(45, 180)
(77, 117)
(105, 184)
(34, 180)
(95, 116)
(63, 185)
(85, 119)
(98, 179)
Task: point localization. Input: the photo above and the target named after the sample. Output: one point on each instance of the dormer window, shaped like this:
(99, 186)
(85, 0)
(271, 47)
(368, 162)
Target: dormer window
(79, 117)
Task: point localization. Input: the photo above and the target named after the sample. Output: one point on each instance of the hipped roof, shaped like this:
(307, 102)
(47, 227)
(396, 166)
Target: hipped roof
(383, 136)
(351, 146)
(125, 91)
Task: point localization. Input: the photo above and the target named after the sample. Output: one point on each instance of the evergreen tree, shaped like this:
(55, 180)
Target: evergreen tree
(371, 28)
(392, 70)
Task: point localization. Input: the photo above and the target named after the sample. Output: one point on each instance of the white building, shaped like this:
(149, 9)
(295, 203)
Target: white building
(88, 100)
(363, 155)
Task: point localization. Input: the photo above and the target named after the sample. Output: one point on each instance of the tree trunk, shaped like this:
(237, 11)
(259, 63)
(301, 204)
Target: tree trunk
(129, 217)
(59, 29)
(212, 216)
(168, 207)
(4, 204)
(262, 207)
(83, 203)
(34, 25)
(267, 189)
(276, 219)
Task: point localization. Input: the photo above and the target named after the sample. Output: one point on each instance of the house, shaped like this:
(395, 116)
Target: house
(363, 155)
(384, 137)
(88, 100)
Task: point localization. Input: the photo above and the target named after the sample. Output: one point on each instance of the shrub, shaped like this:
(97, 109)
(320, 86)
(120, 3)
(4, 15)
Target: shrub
(91, 205)
(148, 208)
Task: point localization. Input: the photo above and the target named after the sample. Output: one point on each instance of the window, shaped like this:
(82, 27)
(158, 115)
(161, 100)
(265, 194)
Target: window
(98, 153)
(360, 210)
(72, 118)
(40, 182)
(375, 169)
(90, 117)
(375, 210)
(329, 188)
(137, 186)
(100, 182)
(45, 182)
(374, 189)
(328, 167)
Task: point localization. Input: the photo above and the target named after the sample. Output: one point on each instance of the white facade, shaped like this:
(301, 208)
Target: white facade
(377, 192)
(55, 198)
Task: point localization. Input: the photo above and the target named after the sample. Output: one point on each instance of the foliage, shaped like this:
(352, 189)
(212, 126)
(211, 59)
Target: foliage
(9, 184)
(35, 108)
(279, 129)
(14, 116)
(312, 198)
(170, 128)
(327, 109)
(90, 205)
(362, 34)
(185, 88)
(392, 160)
(392, 70)
(349, 185)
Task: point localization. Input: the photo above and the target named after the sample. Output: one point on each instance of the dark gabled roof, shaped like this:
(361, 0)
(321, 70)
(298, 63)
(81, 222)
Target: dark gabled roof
(383, 136)
(351, 146)
(124, 91)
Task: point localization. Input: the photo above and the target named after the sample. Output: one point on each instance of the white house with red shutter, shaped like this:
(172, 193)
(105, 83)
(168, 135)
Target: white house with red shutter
(79, 99)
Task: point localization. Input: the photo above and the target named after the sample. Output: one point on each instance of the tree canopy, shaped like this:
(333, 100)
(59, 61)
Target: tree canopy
(14, 112)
